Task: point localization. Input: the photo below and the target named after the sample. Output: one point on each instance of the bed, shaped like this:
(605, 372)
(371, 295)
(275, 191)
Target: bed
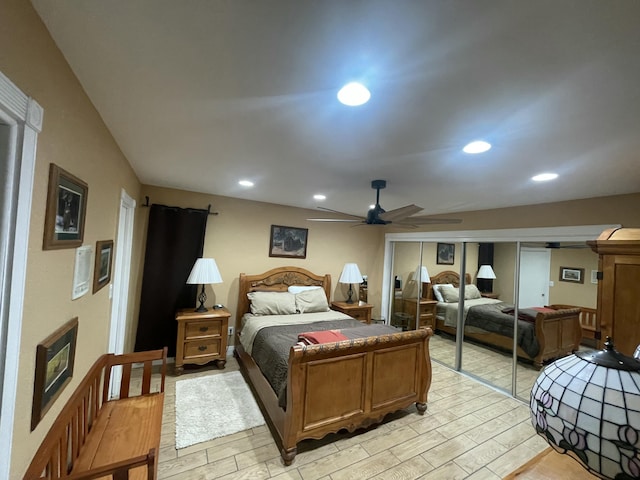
(544, 333)
(344, 384)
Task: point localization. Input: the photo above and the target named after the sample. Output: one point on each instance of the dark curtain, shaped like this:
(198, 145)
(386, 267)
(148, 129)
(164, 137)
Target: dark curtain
(175, 239)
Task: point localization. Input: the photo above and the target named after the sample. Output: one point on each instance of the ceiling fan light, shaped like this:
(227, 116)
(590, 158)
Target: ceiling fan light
(478, 146)
(354, 94)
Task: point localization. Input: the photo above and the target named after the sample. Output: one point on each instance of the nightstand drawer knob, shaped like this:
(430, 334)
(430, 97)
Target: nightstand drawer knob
(202, 348)
(204, 329)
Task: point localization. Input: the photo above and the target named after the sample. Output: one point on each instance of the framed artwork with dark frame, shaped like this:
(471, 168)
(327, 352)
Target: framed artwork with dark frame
(103, 262)
(55, 356)
(570, 274)
(66, 209)
(288, 242)
(445, 254)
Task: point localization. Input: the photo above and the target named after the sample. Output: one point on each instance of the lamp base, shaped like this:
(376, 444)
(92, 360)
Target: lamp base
(202, 298)
(349, 299)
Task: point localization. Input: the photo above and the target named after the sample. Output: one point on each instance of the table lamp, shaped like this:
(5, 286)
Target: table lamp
(421, 276)
(587, 405)
(486, 273)
(204, 271)
(350, 274)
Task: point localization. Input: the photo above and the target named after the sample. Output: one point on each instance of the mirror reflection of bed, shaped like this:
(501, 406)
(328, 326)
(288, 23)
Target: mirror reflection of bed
(492, 361)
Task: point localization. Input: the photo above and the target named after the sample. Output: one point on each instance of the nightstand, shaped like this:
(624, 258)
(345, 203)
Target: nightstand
(202, 337)
(358, 310)
(490, 295)
(427, 312)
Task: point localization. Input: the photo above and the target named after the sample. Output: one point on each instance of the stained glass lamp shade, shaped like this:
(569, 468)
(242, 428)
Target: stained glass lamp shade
(588, 406)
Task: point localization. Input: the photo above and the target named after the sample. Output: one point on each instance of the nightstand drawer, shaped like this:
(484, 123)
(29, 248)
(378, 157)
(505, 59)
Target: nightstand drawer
(361, 315)
(202, 348)
(201, 329)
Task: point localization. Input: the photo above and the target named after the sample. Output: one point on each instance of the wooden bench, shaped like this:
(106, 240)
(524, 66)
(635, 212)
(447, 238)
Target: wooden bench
(94, 437)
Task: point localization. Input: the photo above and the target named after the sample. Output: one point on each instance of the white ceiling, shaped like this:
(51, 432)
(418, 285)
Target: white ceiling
(199, 94)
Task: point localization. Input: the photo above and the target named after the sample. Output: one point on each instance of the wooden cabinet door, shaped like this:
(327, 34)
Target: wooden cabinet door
(620, 301)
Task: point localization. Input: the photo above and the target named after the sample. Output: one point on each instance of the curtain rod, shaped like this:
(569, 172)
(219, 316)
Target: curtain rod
(146, 204)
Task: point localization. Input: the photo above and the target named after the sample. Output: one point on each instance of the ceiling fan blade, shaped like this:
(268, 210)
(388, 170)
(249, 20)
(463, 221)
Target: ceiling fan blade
(347, 220)
(359, 217)
(400, 213)
(426, 221)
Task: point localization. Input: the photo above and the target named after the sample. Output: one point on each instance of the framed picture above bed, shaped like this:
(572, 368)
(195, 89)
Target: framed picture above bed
(570, 274)
(445, 253)
(288, 242)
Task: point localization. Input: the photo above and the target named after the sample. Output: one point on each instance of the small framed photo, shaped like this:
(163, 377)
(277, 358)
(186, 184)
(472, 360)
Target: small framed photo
(288, 242)
(570, 274)
(102, 267)
(66, 209)
(54, 368)
(445, 253)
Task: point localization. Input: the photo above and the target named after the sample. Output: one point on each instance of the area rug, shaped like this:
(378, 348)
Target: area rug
(214, 406)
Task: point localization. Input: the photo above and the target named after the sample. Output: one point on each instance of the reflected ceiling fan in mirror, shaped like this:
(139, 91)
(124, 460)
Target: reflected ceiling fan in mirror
(399, 217)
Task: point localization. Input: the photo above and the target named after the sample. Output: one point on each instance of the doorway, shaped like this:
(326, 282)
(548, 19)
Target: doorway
(535, 268)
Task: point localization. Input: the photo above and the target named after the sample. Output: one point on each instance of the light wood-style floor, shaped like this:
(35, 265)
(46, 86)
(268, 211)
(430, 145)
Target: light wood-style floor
(469, 431)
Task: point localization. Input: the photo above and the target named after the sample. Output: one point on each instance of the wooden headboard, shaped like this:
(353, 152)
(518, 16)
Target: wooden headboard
(447, 276)
(277, 280)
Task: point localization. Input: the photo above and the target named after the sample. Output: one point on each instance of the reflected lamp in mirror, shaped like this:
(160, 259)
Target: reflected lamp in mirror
(204, 271)
(350, 274)
(587, 405)
(421, 276)
(485, 277)
(486, 272)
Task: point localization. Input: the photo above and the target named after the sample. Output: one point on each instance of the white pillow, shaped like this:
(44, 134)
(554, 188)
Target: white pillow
(436, 290)
(272, 303)
(311, 301)
(471, 292)
(301, 288)
(450, 294)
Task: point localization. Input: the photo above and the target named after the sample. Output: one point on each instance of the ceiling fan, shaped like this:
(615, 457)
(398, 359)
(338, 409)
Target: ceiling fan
(565, 245)
(377, 215)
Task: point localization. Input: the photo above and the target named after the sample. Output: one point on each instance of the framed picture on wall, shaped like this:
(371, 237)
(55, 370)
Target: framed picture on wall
(445, 254)
(288, 242)
(102, 266)
(66, 209)
(54, 368)
(570, 274)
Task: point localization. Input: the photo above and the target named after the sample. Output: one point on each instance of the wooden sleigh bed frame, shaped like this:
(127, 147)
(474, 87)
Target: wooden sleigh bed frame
(558, 333)
(339, 385)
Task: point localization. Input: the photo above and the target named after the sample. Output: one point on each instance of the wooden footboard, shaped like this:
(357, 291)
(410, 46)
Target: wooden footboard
(344, 385)
(558, 334)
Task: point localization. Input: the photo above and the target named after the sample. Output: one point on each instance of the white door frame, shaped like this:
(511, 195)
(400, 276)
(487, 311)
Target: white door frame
(24, 116)
(121, 275)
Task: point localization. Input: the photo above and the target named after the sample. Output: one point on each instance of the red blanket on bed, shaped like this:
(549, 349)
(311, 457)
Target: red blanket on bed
(323, 336)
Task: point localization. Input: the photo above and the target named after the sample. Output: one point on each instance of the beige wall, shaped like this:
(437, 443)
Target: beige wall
(75, 138)
(238, 239)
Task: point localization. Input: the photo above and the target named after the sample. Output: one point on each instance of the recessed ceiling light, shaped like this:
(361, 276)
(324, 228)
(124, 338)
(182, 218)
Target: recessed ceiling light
(354, 94)
(320, 197)
(246, 183)
(544, 177)
(478, 146)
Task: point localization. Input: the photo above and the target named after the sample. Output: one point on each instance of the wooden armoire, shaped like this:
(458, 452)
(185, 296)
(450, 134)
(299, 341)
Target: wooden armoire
(618, 311)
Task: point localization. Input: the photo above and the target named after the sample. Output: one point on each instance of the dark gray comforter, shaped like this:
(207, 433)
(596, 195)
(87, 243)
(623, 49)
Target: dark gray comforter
(490, 317)
(272, 344)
